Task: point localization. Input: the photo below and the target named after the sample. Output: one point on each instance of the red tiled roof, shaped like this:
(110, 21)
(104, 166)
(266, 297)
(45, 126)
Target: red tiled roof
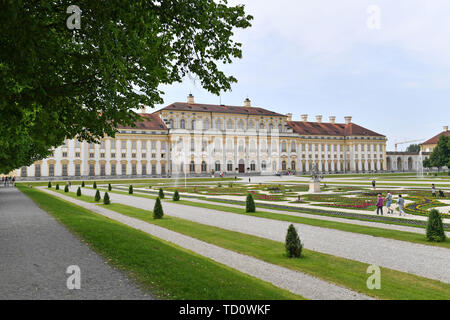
(151, 121)
(196, 107)
(435, 139)
(330, 129)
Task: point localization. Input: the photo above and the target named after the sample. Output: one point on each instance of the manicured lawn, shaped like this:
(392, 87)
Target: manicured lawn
(348, 273)
(373, 231)
(164, 269)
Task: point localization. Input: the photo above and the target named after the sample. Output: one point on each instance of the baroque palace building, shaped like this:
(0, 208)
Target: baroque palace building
(186, 138)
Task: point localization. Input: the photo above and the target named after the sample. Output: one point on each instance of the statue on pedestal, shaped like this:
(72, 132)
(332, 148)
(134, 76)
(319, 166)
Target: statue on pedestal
(314, 183)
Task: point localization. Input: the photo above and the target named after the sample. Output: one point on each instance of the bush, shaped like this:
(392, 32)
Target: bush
(293, 244)
(161, 193)
(66, 188)
(435, 229)
(130, 189)
(57, 187)
(97, 196)
(219, 185)
(158, 210)
(176, 196)
(106, 198)
(230, 185)
(250, 204)
(94, 185)
(82, 184)
(49, 184)
(78, 192)
(109, 187)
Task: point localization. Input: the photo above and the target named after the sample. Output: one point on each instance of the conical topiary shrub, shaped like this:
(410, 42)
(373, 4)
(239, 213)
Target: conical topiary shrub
(435, 229)
(293, 244)
(130, 189)
(109, 187)
(158, 210)
(106, 198)
(82, 184)
(97, 196)
(250, 204)
(94, 185)
(176, 196)
(57, 187)
(49, 184)
(79, 192)
(66, 188)
(161, 193)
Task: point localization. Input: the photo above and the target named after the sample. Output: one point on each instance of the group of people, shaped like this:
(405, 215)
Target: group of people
(8, 181)
(433, 191)
(390, 210)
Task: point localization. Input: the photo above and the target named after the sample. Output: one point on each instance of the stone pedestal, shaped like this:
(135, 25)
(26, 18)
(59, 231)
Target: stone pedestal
(314, 187)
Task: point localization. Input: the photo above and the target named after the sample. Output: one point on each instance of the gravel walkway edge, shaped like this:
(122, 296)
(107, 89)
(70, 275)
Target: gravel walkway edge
(296, 282)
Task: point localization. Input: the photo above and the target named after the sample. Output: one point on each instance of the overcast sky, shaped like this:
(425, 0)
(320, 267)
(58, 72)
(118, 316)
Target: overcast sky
(332, 57)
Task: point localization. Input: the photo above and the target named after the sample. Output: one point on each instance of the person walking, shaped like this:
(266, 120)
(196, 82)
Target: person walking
(388, 203)
(380, 204)
(401, 204)
(433, 190)
(373, 184)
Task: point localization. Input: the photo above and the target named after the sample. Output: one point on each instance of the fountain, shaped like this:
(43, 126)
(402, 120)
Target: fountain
(420, 166)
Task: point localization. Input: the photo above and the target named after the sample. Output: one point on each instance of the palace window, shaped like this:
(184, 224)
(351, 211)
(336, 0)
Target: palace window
(163, 168)
(91, 155)
(91, 169)
(183, 124)
(51, 170)
(77, 154)
(37, 170)
(217, 166)
(144, 169)
(23, 171)
(192, 167)
(124, 169)
(77, 170)
(64, 154)
(113, 155)
(203, 166)
(64, 170)
(230, 166)
(102, 170)
(133, 155)
(133, 169)
(153, 168)
(113, 169)
(144, 155)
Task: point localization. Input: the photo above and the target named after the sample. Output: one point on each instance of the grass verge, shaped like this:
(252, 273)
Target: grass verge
(166, 270)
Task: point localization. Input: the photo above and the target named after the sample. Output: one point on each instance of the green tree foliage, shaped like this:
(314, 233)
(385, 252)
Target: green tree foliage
(82, 184)
(49, 184)
(435, 229)
(293, 244)
(79, 192)
(106, 198)
(440, 157)
(109, 187)
(66, 188)
(250, 204)
(57, 187)
(130, 189)
(413, 148)
(161, 193)
(57, 83)
(158, 210)
(176, 196)
(97, 196)
(94, 185)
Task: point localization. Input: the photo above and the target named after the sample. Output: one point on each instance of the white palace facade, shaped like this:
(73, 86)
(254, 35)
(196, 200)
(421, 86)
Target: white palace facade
(186, 138)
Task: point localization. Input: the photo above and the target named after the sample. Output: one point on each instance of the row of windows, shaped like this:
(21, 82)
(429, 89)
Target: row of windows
(230, 124)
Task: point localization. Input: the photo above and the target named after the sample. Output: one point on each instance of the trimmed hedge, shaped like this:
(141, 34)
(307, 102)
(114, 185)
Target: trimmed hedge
(79, 192)
(106, 198)
(161, 193)
(57, 186)
(176, 196)
(158, 212)
(49, 184)
(130, 189)
(293, 244)
(66, 188)
(250, 204)
(97, 196)
(94, 185)
(435, 228)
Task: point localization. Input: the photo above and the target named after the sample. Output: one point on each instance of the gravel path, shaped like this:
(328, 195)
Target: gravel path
(296, 282)
(427, 261)
(314, 216)
(36, 250)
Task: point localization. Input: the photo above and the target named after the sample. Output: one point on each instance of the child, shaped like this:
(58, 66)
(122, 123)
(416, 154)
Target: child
(401, 203)
(433, 190)
(380, 204)
(389, 202)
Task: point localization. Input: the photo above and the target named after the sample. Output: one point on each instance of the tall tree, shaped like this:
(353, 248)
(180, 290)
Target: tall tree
(58, 83)
(440, 156)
